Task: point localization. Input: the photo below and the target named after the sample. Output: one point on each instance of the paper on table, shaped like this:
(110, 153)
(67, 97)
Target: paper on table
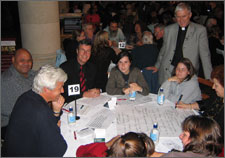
(140, 99)
(142, 118)
(167, 144)
(102, 99)
(101, 119)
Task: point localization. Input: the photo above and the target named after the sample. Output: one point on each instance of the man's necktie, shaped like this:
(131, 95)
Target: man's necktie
(82, 80)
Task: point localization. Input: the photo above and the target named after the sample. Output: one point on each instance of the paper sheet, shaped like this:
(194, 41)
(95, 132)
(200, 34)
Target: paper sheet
(167, 144)
(140, 99)
(142, 118)
(101, 119)
(94, 101)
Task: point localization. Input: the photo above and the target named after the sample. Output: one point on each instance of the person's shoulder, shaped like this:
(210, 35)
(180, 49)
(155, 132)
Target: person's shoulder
(114, 70)
(7, 74)
(90, 65)
(197, 26)
(171, 26)
(67, 63)
(135, 69)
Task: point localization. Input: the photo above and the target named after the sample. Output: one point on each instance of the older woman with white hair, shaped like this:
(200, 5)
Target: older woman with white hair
(33, 129)
(144, 57)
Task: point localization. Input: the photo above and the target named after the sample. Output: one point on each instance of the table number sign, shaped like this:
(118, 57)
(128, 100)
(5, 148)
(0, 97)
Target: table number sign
(74, 89)
(122, 45)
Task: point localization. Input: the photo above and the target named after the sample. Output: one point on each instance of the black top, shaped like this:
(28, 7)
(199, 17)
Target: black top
(216, 59)
(70, 47)
(72, 69)
(33, 130)
(179, 46)
(102, 60)
(144, 56)
(159, 43)
(213, 107)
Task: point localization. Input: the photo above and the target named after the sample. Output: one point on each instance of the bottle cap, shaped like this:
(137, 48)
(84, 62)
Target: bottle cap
(155, 125)
(70, 108)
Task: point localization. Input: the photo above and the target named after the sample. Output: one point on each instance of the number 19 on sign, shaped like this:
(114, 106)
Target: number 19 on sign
(74, 89)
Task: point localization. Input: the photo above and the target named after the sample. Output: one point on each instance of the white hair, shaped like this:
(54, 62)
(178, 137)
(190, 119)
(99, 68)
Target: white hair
(182, 6)
(147, 38)
(48, 76)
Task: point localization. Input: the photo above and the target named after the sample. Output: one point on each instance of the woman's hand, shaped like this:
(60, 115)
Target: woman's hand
(181, 105)
(126, 90)
(174, 79)
(135, 87)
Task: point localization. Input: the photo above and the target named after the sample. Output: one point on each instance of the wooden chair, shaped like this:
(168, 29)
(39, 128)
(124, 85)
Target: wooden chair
(205, 86)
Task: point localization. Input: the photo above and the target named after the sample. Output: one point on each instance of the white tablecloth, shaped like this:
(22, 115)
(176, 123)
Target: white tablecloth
(137, 116)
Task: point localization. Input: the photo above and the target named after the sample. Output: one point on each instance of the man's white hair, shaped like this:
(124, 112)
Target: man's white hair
(147, 37)
(182, 6)
(48, 76)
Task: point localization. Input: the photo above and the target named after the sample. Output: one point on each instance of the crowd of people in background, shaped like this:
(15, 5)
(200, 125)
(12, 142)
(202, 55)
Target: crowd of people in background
(167, 44)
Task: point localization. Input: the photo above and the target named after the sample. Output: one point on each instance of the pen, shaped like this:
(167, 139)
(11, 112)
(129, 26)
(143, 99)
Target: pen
(179, 100)
(81, 106)
(122, 99)
(75, 136)
(65, 110)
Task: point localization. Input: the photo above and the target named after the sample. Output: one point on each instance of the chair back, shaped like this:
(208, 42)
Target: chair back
(205, 86)
(152, 80)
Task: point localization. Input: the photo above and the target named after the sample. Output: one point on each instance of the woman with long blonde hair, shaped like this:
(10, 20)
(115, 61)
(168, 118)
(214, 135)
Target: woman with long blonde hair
(102, 56)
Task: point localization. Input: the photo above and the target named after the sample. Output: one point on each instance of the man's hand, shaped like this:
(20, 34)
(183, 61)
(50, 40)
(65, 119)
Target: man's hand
(92, 93)
(57, 105)
(152, 68)
(59, 123)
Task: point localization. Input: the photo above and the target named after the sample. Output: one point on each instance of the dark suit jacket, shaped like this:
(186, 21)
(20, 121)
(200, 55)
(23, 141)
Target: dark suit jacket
(71, 68)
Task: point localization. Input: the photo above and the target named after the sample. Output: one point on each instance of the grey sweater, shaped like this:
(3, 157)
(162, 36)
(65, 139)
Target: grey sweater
(13, 84)
(189, 89)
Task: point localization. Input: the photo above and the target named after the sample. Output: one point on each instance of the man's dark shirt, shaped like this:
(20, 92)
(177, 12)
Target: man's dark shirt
(179, 46)
(72, 69)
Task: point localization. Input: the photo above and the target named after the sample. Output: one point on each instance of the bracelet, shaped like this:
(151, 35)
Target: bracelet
(56, 112)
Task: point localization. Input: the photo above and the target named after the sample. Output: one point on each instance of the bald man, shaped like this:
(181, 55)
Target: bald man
(15, 81)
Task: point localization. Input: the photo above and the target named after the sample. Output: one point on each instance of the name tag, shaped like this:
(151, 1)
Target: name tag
(74, 89)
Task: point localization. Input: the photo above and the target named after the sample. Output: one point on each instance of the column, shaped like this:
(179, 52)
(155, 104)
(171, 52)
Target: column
(40, 30)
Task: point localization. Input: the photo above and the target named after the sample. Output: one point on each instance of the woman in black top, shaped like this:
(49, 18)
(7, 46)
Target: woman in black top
(102, 56)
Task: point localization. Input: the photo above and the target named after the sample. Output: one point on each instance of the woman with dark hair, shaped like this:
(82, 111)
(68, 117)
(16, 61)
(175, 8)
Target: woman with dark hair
(213, 106)
(183, 82)
(124, 78)
(70, 44)
(200, 138)
(128, 145)
(136, 38)
(102, 56)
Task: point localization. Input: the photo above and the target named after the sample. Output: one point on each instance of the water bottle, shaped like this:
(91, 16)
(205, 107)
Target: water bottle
(154, 135)
(71, 116)
(132, 95)
(160, 97)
